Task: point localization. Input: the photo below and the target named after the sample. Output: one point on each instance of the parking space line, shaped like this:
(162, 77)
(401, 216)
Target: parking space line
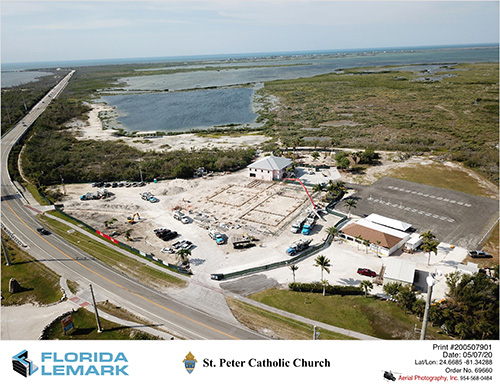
(409, 209)
(429, 196)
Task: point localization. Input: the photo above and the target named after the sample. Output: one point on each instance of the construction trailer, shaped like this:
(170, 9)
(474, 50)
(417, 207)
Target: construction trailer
(413, 243)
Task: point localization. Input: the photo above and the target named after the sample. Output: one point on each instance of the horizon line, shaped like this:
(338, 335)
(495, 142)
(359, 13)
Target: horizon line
(265, 53)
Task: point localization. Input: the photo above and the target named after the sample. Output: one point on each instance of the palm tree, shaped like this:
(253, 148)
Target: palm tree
(378, 247)
(324, 263)
(366, 243)
(332, 232)
(427, 236)
(359, 240)
(350, 204)
(127, 234)
(365, 285)
(182, 253)
(318, 188)
(324, 283)
(293, 268)
(429, 246)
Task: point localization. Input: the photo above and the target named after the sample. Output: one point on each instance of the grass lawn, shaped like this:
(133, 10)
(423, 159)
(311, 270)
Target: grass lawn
(34, 192)
(129, 266)
(443, 177)
(41, 285)
(277, 326)
(85, 329)
(371, 316)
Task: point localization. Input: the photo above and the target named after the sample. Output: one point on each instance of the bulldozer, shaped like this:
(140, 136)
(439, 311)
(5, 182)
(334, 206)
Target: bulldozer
(131, 219)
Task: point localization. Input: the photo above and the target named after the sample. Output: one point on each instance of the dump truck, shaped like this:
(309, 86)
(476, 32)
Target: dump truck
(102, 193)
(214, 235)
(297, 225)
(298, 246)
(308, 225)
(89, 196)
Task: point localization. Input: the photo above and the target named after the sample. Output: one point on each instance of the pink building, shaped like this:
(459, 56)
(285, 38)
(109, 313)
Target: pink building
(269, 168)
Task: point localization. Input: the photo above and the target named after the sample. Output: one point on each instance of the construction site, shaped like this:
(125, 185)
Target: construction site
(252, 218)
(232, 223)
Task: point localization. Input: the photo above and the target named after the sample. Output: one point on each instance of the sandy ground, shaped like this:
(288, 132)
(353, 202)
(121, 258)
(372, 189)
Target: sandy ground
(231, 204)
(236, 206)
(93, 129)
(32, 319)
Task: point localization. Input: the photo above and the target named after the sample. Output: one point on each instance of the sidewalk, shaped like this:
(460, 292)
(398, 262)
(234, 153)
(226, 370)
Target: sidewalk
(27, 322)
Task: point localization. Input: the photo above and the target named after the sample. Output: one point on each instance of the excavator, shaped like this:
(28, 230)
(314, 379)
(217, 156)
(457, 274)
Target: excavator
(131, 220)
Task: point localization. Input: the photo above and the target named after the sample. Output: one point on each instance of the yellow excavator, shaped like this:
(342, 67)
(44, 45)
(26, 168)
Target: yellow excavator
(131, 220)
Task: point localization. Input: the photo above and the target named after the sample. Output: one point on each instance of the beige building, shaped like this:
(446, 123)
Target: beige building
(269, 168)
(383, 240)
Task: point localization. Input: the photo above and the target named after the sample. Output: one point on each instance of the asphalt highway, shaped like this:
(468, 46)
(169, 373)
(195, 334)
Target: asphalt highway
(180, 319)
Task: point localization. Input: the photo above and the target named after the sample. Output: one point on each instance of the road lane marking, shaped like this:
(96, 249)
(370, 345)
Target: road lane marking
(120, 286)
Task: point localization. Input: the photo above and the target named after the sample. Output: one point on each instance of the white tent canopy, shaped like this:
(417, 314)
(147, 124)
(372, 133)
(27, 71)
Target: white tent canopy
(388, 222)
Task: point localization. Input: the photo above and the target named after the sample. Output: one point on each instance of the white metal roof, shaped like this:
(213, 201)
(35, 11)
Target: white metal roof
(271, 163)
(414, 239)
(389, 222)
(382, 228)
(400, 270)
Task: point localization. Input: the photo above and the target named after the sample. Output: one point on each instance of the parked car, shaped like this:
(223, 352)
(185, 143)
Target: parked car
(367, 272)
(167, 250)
(169, 236)
(43, 231)
(479, 255)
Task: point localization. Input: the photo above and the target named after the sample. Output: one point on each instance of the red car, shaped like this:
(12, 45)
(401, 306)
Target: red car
(367, 272)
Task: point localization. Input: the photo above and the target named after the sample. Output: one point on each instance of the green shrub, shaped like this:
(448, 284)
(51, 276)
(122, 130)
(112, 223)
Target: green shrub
(317, 287)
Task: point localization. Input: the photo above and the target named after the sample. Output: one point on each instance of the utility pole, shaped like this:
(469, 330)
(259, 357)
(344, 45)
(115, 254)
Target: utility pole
(430, 285)
(99, 328)
(140, 171)
(316, 333)
(4, 248)
(62, 183)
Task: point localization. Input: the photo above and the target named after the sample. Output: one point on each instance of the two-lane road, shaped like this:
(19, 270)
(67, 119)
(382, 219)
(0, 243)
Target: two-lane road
(180, 319)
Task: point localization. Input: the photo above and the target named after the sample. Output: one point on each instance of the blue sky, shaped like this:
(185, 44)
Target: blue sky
(78, 30)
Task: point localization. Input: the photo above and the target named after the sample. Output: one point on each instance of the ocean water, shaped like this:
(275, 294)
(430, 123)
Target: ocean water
(182, 111)
(305, 66)
(15, 78)
(149, 108)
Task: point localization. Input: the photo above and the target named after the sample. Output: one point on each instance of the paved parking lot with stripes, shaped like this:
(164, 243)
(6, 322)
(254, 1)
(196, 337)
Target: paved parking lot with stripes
(454, 217)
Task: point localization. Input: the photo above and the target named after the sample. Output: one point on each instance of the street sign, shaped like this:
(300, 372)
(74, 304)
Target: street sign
(67, 324)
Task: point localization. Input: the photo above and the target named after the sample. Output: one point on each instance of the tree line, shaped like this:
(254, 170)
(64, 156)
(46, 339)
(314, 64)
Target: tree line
(53, 154)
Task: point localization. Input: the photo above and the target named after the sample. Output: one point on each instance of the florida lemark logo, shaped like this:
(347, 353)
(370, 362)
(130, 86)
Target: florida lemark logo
(22, 365)
(190, 362)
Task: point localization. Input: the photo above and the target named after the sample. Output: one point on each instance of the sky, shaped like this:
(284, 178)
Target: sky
(34, 31)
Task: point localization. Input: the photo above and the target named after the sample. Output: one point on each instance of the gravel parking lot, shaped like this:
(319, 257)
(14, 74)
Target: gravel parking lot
(456, 218)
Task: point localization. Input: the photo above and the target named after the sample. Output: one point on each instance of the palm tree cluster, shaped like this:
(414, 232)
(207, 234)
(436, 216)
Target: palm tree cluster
(334, 189)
